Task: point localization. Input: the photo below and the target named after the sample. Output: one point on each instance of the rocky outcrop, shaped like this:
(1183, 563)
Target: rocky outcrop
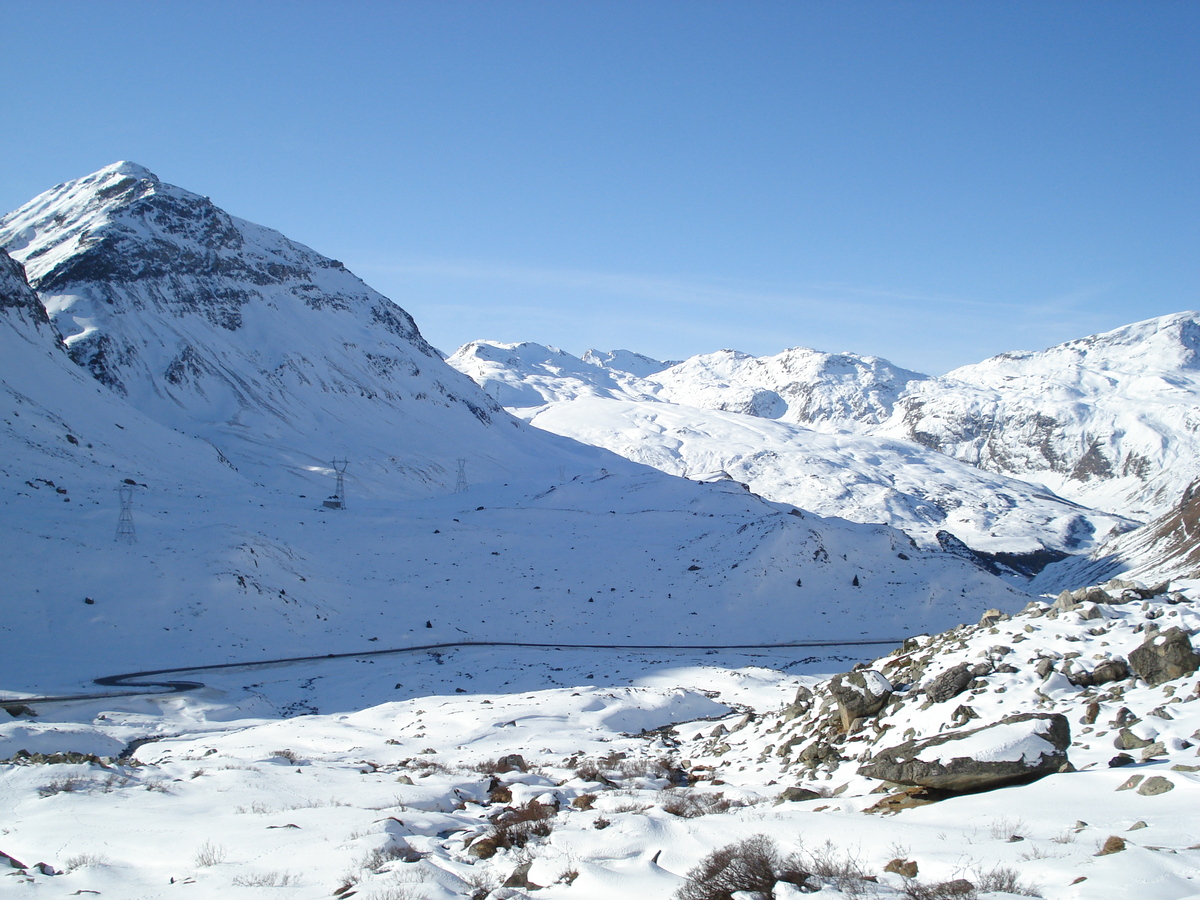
(1164, 657)
(859, 694)
(950, 683)
(1015, 749)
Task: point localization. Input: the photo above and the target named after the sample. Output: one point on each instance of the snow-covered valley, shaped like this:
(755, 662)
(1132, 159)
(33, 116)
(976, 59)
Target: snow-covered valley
(216, 369)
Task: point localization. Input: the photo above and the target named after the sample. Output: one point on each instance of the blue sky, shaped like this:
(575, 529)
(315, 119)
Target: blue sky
(933, 182)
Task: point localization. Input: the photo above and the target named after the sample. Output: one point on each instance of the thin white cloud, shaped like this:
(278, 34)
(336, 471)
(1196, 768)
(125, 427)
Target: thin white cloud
(710, 292)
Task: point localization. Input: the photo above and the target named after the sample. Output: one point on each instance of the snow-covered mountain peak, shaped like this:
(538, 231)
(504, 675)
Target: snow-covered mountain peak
(1152, 347)
(125, 167)
(1107, 420)
(228, 330)
(627, 361)
(825, 391)
(527, 374)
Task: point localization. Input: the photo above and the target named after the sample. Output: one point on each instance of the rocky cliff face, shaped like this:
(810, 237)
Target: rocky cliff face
(17, 298)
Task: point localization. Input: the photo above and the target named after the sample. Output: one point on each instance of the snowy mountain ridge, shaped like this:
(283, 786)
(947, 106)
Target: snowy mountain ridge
(861, 477)
(1109, 420)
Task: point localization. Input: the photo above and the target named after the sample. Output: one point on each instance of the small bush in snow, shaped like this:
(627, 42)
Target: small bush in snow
(959, 889)
(514, 828)
(62, 786)
(752, 865)
(266, 879)
(689, 805)
(210, 854)
(584, 801)
(1004, 880)
(843, 868)
(381, 856)
(86, 860)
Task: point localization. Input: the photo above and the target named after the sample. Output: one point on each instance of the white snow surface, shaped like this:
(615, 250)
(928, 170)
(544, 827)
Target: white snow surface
(229, 800)
(236, 558)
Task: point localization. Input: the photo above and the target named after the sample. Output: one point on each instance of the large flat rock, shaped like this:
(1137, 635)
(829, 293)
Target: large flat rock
(1016, 748)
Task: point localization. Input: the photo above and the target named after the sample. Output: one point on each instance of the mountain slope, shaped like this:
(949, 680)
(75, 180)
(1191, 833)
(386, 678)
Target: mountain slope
(277, 355)
(859, 477)
(1109, 420)
(1167, 548)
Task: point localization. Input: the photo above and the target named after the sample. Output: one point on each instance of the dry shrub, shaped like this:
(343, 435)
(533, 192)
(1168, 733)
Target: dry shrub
(1000, 879)
(1004, 880)
(210, 854)
(63, 786)
(750, 865)
(380, 857)
(588, 770)
(584, 801)
(843, 868)
(515, 828)
(959, 889)
(642, 768)
(690, 805)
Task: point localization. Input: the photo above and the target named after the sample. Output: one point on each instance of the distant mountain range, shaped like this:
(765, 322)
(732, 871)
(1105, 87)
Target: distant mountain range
(1108, 421)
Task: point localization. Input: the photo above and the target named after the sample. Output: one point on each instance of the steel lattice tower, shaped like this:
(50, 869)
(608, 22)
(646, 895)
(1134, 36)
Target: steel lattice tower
(338, 500)
(461, 485)
(126, 533)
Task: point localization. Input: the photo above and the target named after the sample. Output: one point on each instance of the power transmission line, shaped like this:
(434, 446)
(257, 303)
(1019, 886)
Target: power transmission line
(338, 500)
(126, 533)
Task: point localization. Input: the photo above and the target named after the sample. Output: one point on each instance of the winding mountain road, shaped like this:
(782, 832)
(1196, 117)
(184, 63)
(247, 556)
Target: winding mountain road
(13, 705)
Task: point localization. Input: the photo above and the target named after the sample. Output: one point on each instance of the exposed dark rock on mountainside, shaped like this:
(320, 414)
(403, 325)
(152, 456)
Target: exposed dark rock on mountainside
(16, 296)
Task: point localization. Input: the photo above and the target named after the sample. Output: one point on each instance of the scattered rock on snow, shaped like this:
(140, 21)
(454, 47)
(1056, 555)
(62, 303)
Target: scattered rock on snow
(1154, 785)
(797, 795)
(1131, 782)
(950, 683)
(1164, 656)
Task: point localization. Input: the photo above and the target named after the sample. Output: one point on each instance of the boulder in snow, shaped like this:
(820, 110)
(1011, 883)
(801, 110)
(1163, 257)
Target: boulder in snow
(950, 683)
(1016, 748)
(859, 694)
(1164, 656)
